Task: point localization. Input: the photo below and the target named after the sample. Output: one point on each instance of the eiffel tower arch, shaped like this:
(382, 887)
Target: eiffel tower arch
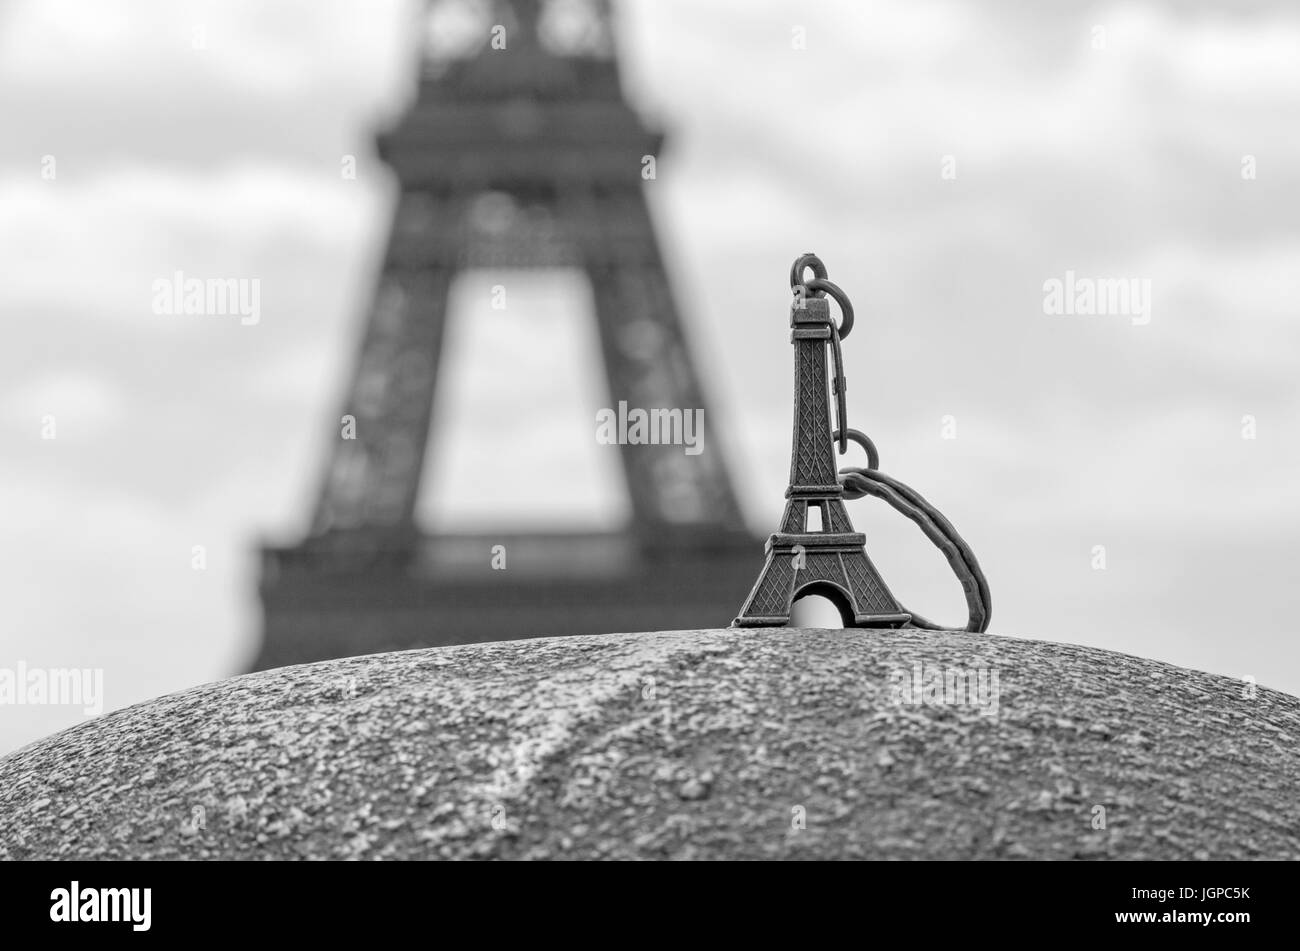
(522, 153)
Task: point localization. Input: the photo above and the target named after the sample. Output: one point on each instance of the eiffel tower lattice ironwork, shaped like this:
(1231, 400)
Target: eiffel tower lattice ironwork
(519, 153)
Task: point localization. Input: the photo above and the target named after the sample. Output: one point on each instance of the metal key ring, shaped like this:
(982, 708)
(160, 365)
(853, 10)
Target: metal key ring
(846, 309)
(863, 440)
(806, 260)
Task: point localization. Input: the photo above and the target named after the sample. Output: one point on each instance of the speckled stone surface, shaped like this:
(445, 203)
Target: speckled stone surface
(685, 744)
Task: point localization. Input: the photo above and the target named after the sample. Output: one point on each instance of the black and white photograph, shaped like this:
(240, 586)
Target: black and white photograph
(609, 431)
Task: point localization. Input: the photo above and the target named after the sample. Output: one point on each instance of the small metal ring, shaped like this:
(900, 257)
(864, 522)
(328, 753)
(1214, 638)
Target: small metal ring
(863, 440)
(806, 260)
(846, 308)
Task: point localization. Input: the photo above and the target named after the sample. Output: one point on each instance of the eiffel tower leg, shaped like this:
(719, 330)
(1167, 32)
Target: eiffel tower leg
(371, 483)
(768, 604)
(648, 366)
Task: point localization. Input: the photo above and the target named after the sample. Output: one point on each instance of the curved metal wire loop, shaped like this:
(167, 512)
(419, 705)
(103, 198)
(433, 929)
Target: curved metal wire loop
(904, 499)
(846, 307)
(806, 260)
(863, 440)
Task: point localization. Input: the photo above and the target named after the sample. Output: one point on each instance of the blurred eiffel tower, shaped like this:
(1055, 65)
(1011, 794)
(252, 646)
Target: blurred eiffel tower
(532, 115)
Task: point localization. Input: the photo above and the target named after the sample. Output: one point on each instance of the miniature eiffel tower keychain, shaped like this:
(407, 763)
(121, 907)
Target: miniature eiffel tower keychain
(833, 562)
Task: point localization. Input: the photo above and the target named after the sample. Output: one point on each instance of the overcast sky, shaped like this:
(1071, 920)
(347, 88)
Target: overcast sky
(208, 138)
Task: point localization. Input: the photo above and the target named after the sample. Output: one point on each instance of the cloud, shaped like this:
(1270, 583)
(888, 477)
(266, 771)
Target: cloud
(87, 405)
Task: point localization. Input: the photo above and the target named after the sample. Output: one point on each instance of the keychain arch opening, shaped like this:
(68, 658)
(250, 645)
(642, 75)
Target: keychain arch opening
(833, 593)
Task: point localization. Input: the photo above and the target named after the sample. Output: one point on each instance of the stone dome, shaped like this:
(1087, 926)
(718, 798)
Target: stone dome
(777, 743)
